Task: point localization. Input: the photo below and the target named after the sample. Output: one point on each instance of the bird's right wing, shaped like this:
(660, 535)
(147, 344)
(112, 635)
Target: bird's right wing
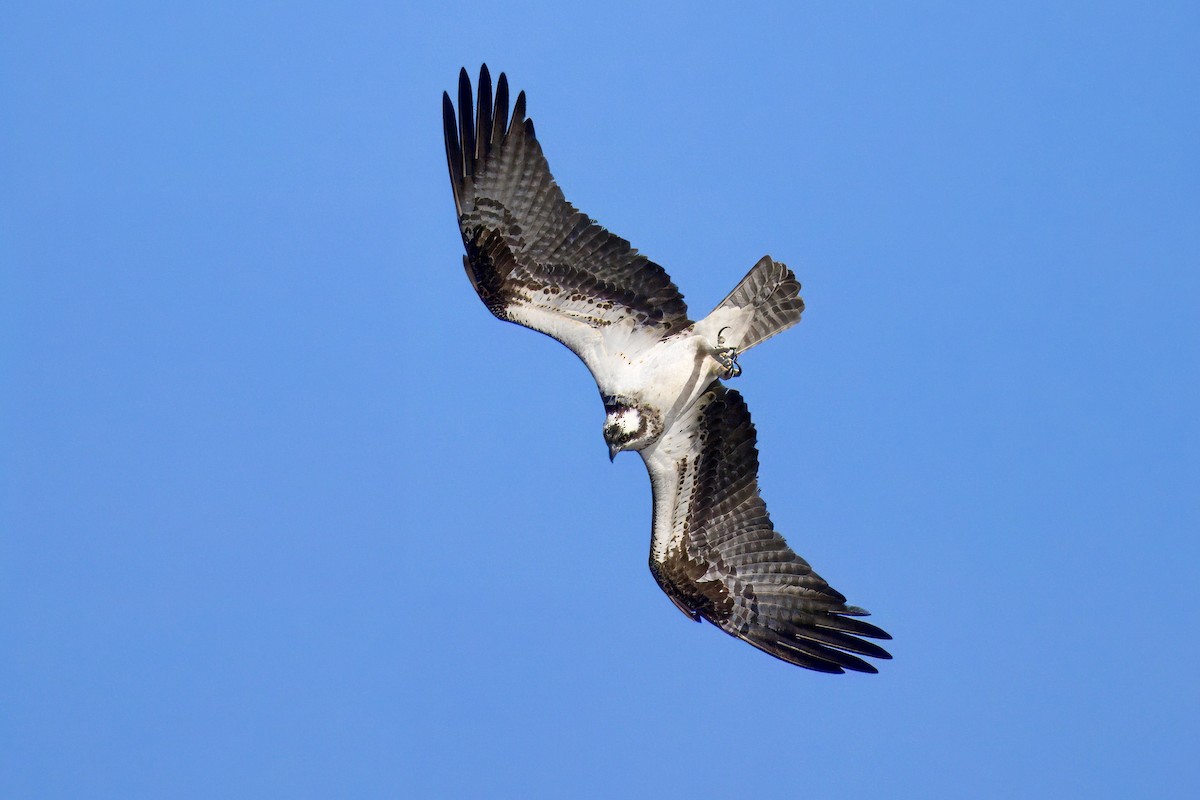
(718, 557)
(531, 256)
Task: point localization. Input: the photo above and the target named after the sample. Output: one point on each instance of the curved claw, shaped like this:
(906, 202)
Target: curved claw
(727, 358)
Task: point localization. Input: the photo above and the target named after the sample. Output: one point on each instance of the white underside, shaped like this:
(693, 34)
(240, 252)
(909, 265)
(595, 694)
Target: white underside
(665, 374)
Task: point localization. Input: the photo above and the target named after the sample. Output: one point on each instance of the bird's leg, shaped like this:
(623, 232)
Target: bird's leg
(727, 358)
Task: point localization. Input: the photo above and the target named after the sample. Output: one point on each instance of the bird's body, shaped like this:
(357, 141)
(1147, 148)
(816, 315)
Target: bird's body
(536, 261)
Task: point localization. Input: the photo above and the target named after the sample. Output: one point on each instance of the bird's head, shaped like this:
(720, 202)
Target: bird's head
(628, 426)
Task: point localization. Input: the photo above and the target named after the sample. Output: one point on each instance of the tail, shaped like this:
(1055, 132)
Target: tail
(766, 302)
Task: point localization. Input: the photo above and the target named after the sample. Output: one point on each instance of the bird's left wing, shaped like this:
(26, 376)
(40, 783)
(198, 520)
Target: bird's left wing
(717, 556)
(532, 257)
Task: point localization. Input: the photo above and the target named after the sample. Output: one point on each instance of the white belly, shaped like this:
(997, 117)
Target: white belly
(667, 375)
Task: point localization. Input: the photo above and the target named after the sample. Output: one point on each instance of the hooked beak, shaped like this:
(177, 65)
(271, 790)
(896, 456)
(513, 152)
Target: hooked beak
(612, 452)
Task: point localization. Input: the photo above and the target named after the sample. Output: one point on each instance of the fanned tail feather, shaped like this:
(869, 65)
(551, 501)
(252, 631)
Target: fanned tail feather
(766, 302)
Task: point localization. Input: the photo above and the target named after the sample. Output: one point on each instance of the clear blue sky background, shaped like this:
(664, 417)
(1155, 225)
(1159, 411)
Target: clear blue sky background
(286, 513)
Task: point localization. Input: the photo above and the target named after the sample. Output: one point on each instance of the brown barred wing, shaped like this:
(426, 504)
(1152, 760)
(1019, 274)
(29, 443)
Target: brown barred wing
(718, 557)
(533, 258)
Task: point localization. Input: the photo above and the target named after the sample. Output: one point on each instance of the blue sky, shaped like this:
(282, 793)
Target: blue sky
(286, 513)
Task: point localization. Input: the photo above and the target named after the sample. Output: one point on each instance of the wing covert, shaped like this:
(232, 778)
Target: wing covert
(532, 257)
(717, 555)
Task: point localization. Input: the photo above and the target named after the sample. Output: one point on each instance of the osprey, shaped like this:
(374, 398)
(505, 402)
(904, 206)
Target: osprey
(537, 261)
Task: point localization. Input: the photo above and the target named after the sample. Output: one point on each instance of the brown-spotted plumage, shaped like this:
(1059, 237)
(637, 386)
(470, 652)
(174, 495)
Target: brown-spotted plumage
(537, 261)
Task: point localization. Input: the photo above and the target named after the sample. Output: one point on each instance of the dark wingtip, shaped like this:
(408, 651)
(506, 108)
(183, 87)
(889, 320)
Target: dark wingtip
(848, 620)
(466, 122)
(871, 649)
(478, 125)
(449, 124)
(518, 114)
(867, 629)
(483, 118)
(853, 662)
(454, 159)
(500, 118)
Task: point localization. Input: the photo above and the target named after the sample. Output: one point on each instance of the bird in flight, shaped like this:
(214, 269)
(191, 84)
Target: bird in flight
(535, 260)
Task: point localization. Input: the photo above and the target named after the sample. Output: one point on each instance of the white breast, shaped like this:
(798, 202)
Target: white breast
(667, 375)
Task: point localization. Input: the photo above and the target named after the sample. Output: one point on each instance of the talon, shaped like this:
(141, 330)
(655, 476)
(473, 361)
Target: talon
(727, 358)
